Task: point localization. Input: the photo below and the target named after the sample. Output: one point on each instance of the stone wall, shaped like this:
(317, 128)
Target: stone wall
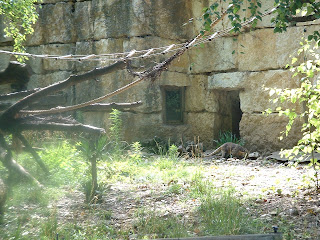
(214, 78)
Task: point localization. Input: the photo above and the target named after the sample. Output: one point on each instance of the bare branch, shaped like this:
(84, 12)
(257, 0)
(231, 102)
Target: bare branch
(32, 151)
(12, 165)
(307, 18)
(109, 106)
(73, 79)
(17, 94)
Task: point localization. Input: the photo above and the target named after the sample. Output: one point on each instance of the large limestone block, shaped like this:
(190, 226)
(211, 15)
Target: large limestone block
(5, 58)
(227, 81)
(141, 127)
(147, 92)
(57, 23)
(174, 79)
(266, 20)
(168, 17)
(45, 80)
(257, 50)
(85, 48)
(198, 98)
(83, 20)
(256, 98)
(203, 124)
(140, 18)
(217, 55)
(36, 64)
(180, 64)
(96, 119)
(59, 50)
(264, 50)
(37, 37)
(195, 95)
(288, 43)
(261, 132)
(121, 18)
(107, 46)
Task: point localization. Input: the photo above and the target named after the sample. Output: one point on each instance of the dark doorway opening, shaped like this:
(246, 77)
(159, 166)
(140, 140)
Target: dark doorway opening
(236, 113)
(230, 111)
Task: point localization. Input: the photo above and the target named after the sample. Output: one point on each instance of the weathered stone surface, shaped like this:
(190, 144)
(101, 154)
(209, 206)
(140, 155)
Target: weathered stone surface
(227, 81)
(5, 58)
(85, 48)
(83, 20)
(167, 18)
(37, 38)
(266, 20)
(180, 64)
(109, 15)
(195, 94)
(203, 124)
(110, 45)
(44, 80)
(198, 98)
(174, 79)
(36, 64)
(215, 56)
(257, 50)
(261, 133)
(59, 50)
(255, 98)
(264, 50)
(57, 23)
(142, 127)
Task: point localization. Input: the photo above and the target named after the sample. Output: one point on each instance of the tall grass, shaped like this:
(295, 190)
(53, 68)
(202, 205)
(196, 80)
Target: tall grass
(228, 137)
(219, 212)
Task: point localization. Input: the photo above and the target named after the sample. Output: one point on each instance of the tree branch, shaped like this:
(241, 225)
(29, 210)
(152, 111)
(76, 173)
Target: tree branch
(308, 18)
(12, 165)
(109, 106)
(11, 112)
(61, 127)
(32, 151)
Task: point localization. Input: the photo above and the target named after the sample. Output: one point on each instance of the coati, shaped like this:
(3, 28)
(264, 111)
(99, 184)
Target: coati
(230, 149)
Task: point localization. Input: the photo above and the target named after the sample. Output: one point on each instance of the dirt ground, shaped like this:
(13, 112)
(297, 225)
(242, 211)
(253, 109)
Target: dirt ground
(279, 194)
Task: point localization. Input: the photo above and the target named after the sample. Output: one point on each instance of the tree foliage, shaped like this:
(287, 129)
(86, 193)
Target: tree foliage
(19, 17)
(308, 95)
(287, 13)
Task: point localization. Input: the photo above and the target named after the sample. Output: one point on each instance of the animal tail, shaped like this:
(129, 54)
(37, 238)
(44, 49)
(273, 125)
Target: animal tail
(214, 152)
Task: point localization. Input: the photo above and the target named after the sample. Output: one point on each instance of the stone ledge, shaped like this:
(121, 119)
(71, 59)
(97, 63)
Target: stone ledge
(227, 81)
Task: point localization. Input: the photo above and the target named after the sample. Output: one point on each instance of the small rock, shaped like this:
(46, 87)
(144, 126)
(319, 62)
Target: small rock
(261, 200)
(253, 155)
(274, 213)
(294, 211)
(266, 217)
(133, 236)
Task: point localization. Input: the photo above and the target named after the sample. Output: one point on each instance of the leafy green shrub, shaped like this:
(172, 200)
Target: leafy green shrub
(135, 154)
(115, 131)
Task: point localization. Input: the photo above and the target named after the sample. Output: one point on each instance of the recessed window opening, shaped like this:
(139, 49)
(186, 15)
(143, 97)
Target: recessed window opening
(173, 105)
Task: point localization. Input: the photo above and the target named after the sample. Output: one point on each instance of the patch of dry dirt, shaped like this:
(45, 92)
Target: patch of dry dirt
(278, 191)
